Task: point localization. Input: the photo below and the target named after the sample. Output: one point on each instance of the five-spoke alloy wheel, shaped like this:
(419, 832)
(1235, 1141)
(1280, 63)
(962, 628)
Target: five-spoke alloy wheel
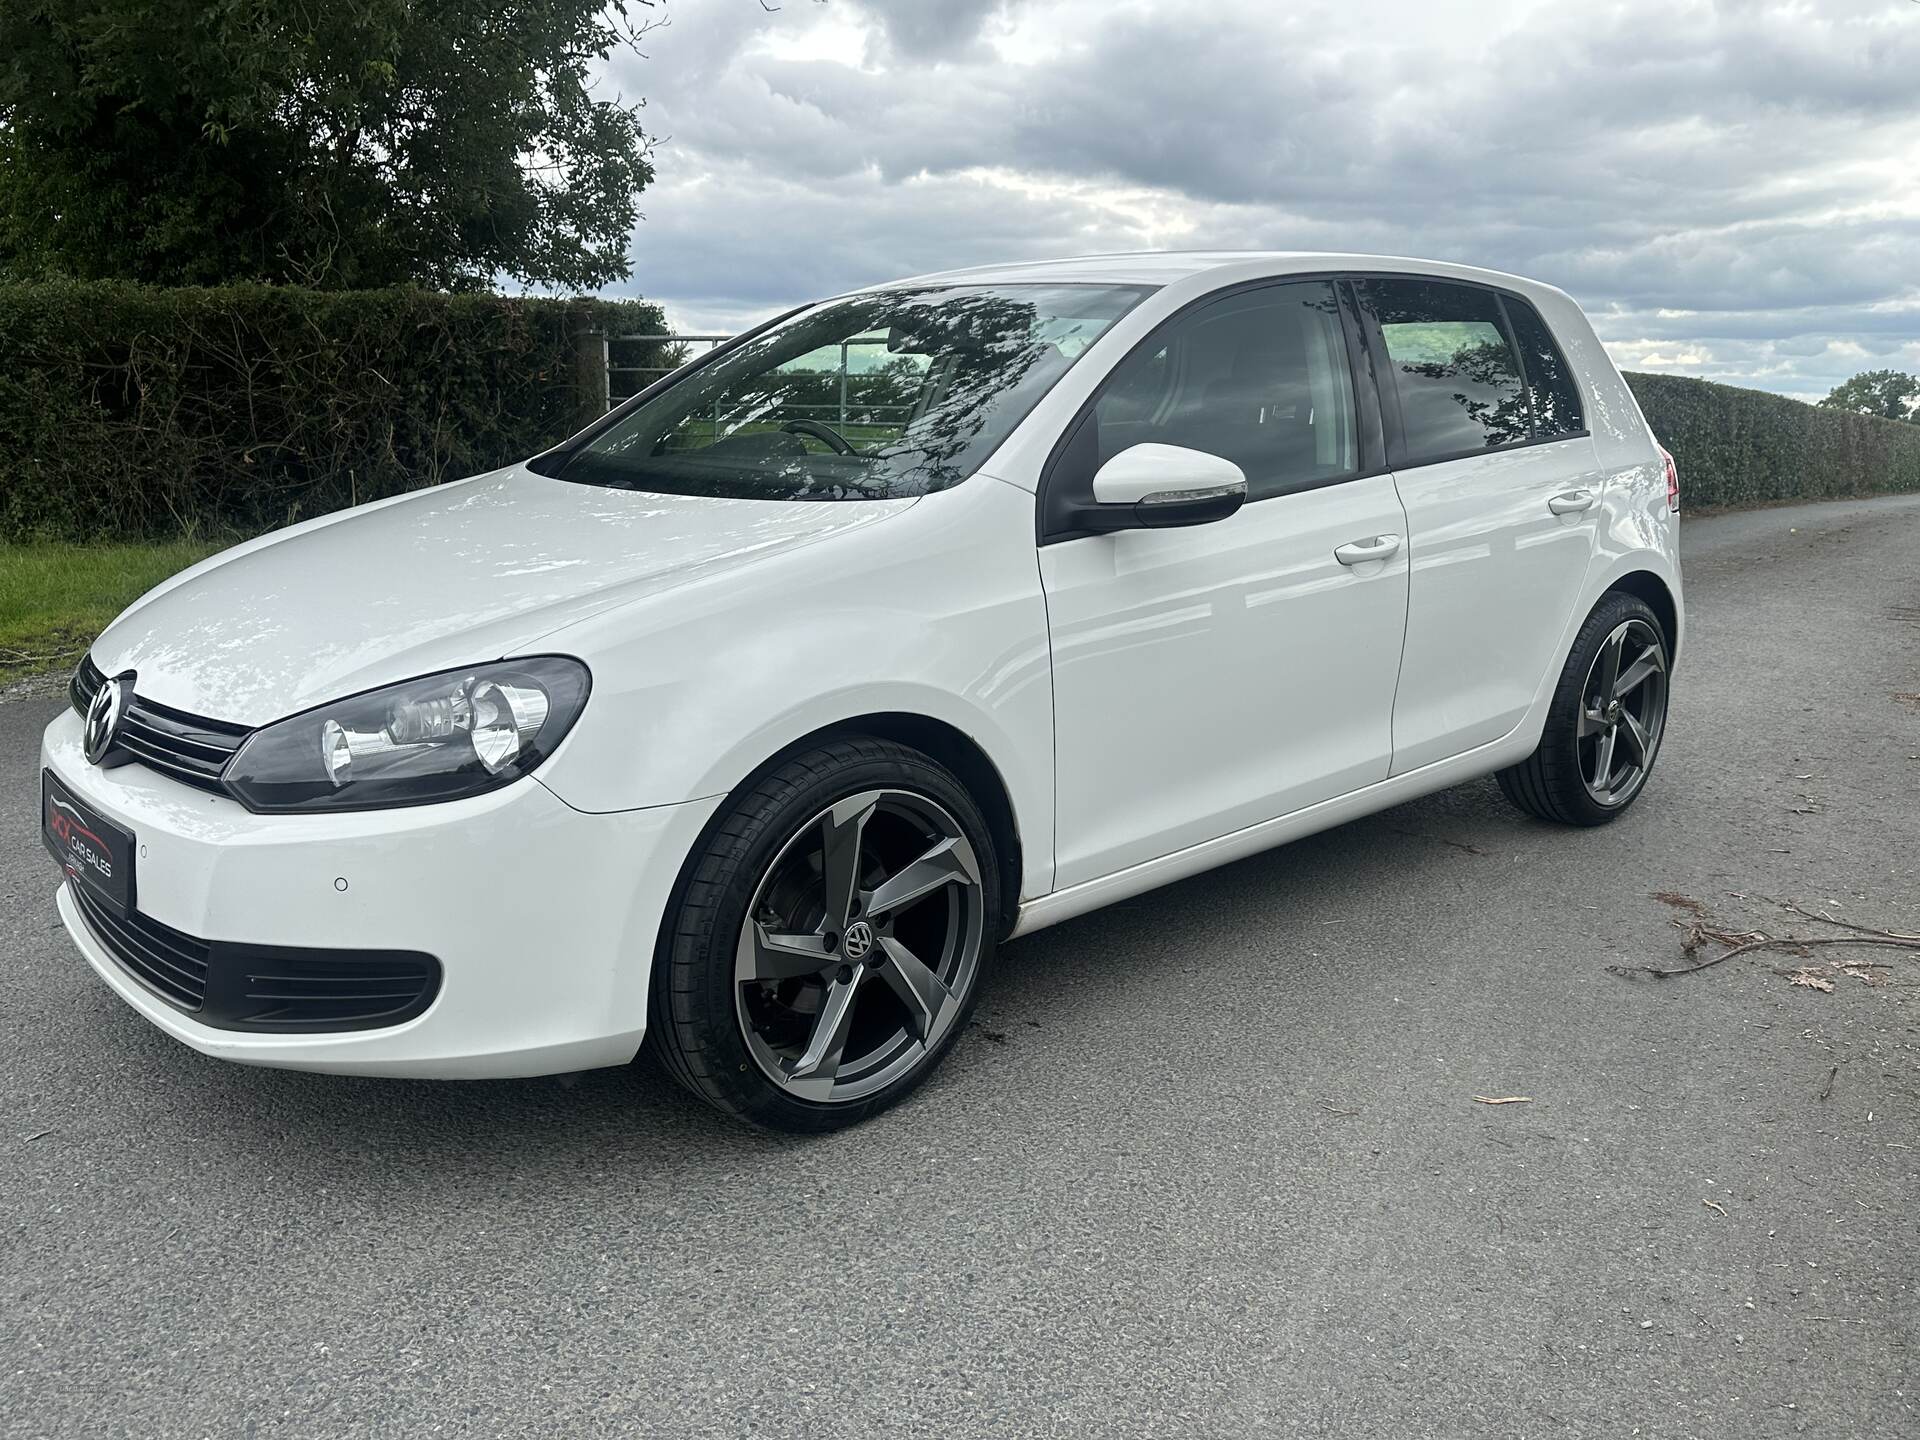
(1608, 716)
(1623, 709)
(830, 937)
(860, 934)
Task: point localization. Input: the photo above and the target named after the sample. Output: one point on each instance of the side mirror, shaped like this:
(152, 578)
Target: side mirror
(1154, 487)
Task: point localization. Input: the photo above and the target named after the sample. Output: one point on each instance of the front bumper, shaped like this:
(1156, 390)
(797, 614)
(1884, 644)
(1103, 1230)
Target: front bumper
(543, 918)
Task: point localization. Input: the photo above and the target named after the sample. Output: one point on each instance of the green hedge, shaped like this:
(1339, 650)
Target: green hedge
(128, 411)
(1746, 447)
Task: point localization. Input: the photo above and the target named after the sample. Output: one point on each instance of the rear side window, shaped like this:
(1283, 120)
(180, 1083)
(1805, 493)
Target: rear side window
(1556, 398)
(1453, 367)
(1258, 377)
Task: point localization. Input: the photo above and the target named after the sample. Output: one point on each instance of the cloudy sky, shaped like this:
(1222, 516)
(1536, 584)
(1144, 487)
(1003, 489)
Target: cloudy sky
(1730, 187)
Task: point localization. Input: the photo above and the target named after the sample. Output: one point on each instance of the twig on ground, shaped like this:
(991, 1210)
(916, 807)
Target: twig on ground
(1826, 1090)
(1503, 1099)
(1827, 919)
(1747, 947)
(1715, 1206)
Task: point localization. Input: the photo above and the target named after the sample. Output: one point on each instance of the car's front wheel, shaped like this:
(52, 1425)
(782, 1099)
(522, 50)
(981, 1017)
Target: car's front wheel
(1608, 717)
(829, 938)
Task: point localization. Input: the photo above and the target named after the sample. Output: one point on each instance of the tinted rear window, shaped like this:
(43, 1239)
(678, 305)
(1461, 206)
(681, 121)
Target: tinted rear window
(1556, 398)
(1453, 367)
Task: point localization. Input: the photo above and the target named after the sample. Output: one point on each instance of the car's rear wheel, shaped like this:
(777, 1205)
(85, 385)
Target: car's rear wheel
(1608, 717)
(829, 939)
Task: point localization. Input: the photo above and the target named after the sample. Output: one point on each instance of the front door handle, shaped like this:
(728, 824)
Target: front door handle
(1571, 503)
(1359, 552)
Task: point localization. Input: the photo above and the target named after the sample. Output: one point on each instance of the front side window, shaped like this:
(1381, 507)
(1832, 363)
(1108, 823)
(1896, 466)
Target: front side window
(886, 394)
(1258, 377)
(1452, 366)
(1556, 398)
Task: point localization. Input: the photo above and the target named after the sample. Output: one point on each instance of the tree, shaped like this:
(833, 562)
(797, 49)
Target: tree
(1889, 394)
(337, 143)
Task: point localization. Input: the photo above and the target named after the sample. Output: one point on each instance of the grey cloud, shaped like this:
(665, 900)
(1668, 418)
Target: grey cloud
(1716, 158)
(930, 29)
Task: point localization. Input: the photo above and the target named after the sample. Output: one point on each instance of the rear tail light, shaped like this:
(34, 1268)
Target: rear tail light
(1673, 481)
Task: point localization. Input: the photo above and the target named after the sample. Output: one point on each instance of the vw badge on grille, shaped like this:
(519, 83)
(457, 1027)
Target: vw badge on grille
(103, 716)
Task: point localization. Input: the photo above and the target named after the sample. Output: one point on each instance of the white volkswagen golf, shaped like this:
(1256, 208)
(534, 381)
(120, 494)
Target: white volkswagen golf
(751, 719)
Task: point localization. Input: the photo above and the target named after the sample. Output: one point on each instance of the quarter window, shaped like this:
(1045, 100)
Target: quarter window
(1258, 377)
(1556, 398)
(1453, 368)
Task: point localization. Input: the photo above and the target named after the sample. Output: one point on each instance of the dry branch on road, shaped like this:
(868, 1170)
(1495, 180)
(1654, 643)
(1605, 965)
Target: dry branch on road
(1699, 933)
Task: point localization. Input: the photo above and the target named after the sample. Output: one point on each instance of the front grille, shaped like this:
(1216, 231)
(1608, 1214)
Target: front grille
(265, 987)
(188, 748)
(172, 965)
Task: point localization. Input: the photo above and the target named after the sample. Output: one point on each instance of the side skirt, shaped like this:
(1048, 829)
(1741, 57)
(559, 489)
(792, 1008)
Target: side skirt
(1089, 895)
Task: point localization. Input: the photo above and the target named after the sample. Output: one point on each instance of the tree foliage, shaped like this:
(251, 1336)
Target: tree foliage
(1890, 394)
(333, 143)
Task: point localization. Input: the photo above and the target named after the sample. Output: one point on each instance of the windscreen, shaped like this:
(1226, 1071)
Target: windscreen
(886, 394)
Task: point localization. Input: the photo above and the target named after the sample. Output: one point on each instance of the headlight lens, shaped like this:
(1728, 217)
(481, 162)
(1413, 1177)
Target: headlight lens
(441, 737)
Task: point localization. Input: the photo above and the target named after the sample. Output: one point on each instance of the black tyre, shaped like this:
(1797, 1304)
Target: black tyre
(828, 939)
(1608, 717)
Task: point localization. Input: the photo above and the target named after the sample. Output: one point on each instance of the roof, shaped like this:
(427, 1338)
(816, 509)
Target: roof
(1163, 267)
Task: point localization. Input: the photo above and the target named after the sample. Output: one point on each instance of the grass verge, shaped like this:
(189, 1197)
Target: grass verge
(55, 598)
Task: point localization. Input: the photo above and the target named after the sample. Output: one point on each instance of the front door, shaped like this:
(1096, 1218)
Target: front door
(1210, 678)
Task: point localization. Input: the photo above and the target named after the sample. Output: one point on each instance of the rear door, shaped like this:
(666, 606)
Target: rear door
(1209, 678)
(1502, 491)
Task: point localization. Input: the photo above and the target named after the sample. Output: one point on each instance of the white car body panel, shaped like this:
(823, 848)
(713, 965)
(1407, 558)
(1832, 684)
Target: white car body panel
(429, 581)
(1178, 656)
(942, 618)
(542, 918)
(1481, 527)
(1074, 900)
(1152, 703)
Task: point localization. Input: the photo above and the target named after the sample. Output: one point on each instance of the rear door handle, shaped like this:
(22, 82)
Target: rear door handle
(1571, 503)
(1359, 552)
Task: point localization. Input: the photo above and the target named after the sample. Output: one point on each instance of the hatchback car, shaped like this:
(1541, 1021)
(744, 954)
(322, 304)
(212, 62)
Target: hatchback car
(748, 721)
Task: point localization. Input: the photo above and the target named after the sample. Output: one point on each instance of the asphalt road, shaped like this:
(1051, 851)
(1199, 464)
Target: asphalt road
(1209, 1164)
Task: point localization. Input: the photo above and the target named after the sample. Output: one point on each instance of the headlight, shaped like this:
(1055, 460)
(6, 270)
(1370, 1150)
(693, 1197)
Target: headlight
(442, 737)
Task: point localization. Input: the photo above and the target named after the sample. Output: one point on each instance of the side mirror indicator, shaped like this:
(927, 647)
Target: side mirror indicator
(1155, 487)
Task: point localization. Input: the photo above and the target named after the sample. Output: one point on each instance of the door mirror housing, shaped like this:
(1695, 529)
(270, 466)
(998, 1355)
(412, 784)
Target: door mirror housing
(1155, 487)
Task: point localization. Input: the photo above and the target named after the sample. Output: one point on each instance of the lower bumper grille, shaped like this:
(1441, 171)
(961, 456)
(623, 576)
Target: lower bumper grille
(321, 990)
(265, 987)
(165, 961)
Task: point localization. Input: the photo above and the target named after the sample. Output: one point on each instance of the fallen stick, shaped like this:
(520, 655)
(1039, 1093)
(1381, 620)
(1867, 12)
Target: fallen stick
(1901, 942)
(1827, 919)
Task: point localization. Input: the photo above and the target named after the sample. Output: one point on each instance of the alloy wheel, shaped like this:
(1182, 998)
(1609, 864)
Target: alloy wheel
(860, 945)
(1623, 711)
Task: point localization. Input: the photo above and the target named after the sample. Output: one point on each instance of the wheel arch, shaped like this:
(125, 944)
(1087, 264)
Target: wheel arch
(957, 751)
(1650, 588)
(963, 755)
